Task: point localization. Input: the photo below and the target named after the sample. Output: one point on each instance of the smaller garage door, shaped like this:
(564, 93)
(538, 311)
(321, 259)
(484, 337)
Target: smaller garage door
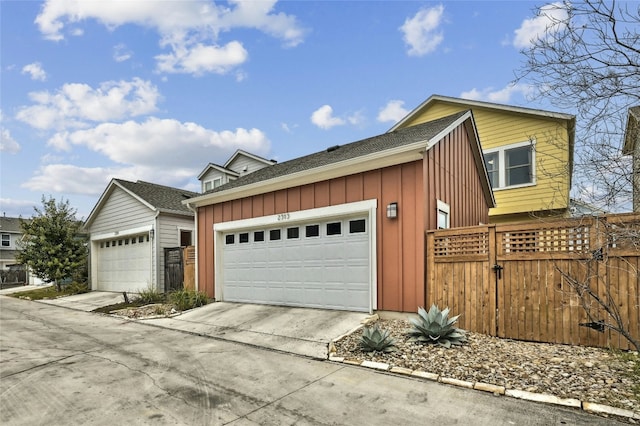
(322, 264)
(124, 263)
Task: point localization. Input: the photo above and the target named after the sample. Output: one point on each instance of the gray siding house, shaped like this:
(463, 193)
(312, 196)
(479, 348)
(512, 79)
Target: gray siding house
(129, 228)
(239, 164)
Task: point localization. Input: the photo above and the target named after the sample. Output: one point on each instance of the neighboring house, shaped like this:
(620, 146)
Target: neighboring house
(343, 228)
(580, 208)
(240, 164)
(632, 147)
(528, 154)
(129, 228)
(10, 234)
(11, 238)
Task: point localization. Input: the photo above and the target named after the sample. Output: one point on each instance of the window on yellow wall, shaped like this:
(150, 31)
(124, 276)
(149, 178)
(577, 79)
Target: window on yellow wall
(511, 166)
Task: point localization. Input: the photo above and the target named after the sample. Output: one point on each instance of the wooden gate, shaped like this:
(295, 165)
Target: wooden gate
(511, 280)
(173, 269)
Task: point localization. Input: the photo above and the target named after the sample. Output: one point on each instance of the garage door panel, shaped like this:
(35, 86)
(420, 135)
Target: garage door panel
(123, 265)
(324, 271)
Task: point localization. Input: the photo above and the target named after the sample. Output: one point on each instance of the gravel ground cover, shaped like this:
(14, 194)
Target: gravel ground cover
(588, 374)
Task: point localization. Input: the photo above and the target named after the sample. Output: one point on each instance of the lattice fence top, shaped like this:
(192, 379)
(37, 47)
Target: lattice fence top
(546, 239)
(466, 244)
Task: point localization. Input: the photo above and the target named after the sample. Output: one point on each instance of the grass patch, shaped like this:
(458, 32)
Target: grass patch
(633, 360)
(51, 292)
(184, 300)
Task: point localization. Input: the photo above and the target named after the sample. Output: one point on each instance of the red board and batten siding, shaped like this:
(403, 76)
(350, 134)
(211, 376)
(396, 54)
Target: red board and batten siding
(415, 186)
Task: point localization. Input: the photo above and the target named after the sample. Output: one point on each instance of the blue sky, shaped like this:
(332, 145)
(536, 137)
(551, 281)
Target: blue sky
(155, 90)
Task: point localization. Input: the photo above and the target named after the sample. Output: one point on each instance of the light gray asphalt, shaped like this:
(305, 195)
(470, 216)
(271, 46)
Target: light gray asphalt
(67, 367)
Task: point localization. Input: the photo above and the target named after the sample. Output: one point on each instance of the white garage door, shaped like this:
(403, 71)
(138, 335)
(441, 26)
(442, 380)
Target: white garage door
(124, 263)
(314, 264)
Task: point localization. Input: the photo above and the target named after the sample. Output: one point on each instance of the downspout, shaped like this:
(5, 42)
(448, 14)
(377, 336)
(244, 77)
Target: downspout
(195, 242)
(154, 252)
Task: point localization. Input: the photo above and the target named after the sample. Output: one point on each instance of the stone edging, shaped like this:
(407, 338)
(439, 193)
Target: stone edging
(486, 387)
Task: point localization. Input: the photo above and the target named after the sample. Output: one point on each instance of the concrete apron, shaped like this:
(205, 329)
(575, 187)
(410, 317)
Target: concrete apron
(300, 331)
(88, 301)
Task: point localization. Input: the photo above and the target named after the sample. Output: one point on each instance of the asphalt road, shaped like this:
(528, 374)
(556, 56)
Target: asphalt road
(65, 367)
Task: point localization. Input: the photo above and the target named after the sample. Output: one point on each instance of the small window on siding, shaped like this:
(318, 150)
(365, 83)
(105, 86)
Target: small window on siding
(6, 240)
(134, 240)
(102, 245)
(113, 243)
(119, 242)
(258, 236)
(293, 233)
(243, 238)
(126, 241)
(312, 230)
(185, 238)
(357, 226)
(334, 228)
(141, 239)
(443, 218)
(229, 239)
(274, 234)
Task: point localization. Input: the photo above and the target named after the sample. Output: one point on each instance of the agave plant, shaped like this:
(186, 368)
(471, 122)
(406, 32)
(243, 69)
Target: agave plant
(435, 327)
(375, 339)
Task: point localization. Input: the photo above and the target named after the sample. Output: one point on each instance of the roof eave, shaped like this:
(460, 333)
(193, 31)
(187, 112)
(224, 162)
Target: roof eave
(479, 104)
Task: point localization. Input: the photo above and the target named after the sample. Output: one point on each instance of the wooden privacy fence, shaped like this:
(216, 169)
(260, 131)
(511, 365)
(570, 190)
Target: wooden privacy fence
(511, 281)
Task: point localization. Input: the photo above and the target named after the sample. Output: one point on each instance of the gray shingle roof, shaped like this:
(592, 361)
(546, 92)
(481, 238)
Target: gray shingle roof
(161, 197)
(421, 132)
(10, 224)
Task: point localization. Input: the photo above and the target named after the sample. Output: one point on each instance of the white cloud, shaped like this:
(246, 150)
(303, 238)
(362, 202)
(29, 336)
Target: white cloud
(323, 118)
(7, 143)
(76, 105)
(166, 144)
(549, 20)
(189, 29)
(200, 59)
(121, 53)
(17, 208)
(393, 112)
(503, 95)
(421, 31)
(35, 71)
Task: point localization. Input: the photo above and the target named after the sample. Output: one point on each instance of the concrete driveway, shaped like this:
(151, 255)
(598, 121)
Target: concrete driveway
(300, 331)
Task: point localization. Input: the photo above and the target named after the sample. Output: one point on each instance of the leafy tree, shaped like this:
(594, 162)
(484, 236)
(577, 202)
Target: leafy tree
(588, 61)
(53, 247)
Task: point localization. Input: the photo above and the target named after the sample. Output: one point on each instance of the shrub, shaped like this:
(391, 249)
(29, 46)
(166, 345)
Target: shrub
(375, 339)
(187, 299)
(150, 295)
(76, 287)
(435, 327)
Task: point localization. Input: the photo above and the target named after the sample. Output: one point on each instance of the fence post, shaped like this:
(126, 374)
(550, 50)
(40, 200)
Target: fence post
(493, 260)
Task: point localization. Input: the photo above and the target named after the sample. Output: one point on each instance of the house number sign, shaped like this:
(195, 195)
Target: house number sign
(283, 216)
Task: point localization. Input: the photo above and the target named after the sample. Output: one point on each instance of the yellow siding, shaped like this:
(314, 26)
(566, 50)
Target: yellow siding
(498, 128)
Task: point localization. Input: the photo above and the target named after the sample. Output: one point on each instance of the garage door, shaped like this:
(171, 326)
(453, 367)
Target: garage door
(313, 264)
(124, 264)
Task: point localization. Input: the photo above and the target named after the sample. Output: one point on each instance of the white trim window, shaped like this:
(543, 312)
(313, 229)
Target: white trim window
(511, 166)
(444, 215)
(211, 184)
(6, 240)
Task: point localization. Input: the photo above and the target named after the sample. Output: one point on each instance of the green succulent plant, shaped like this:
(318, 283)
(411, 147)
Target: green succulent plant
(435, 327)
(376, 339)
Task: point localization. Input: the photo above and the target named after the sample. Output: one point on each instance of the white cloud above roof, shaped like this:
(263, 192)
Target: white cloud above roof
(550, 19)
(491, 94)
(189, 29)
(323, 118)
(422, 32)
(393, 111)
(35, 71)
(77, 105)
